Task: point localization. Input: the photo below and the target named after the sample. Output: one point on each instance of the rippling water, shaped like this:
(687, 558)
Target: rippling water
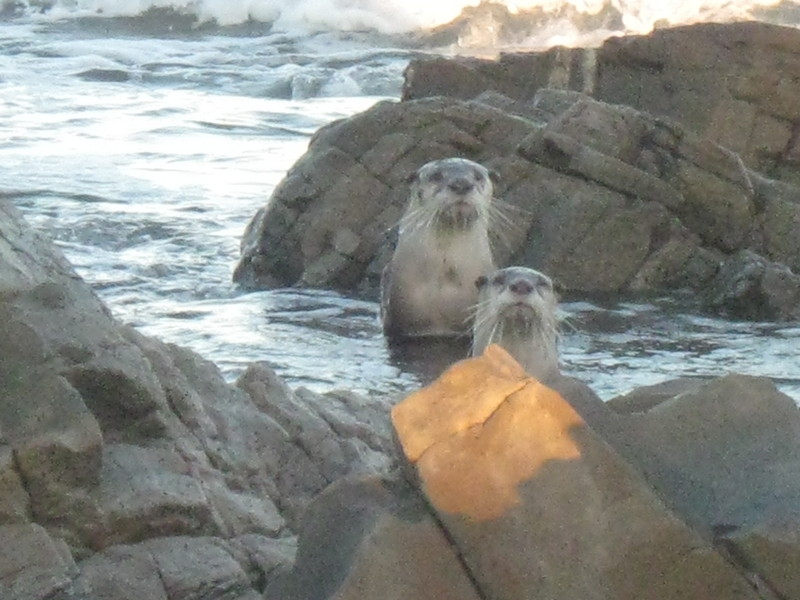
(144, 155)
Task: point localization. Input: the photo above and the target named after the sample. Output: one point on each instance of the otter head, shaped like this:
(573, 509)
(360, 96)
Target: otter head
(517, 310)
(523, 297)
(450, 194)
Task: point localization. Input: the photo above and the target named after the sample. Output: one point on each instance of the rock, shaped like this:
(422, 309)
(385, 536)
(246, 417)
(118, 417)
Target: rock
(370, 538)
(119, 573)
(327, 437)
(771, 552)
(751, 287)
(14, 501)
(508, 463)
(732, 82)
(264, 558)
(33, 566)
(192, 567)
(182, 567)
(725, 455)
(353, 180)
(135, 458)
(604, 198)
(646, 397)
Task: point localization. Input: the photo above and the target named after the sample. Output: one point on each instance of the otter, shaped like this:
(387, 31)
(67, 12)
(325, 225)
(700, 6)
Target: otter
(427, 288)
(516, 309)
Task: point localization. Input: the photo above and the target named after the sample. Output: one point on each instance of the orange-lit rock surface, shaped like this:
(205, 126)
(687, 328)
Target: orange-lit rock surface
(497, 424)
(538, 505)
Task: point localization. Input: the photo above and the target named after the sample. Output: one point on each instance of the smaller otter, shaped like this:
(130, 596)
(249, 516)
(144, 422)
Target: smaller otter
(427, 289)
(516, 309)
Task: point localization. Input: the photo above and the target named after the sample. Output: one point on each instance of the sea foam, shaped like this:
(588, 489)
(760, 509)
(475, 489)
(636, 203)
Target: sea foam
(393, 16)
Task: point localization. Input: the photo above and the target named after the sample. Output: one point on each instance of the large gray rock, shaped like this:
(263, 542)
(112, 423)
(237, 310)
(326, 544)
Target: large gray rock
(122, 454)
(328, 219)
(689, 491)
(372, 538)
(605, 198)
(733, 83)
(33, 566)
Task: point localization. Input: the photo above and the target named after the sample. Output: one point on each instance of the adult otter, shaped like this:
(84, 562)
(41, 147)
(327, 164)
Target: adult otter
(427, 289)
(517, 309)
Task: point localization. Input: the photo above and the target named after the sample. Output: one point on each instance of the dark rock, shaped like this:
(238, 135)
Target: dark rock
(725, 455)
(731, 83)
(751, 287)
(326, 437)
(369, 538)
(605, 198)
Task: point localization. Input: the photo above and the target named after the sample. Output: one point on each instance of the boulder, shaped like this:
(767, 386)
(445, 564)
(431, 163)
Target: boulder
(732, 83)
(329, 217)
(372, 538)
(725, 455)
(182, 567)
(749, 286)
(507, 463)
(33, 565)
(604, 198)
(327, 437)
(120, 454)
(685, 489)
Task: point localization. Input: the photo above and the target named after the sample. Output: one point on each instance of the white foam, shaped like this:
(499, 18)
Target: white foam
(397, 16)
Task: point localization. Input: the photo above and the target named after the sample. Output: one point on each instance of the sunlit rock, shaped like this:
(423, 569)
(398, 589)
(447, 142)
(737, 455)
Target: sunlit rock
(527, 491)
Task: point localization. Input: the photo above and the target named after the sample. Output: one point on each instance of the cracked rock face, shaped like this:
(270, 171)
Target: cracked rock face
(620, 185)
(687, 490)
(125, 461)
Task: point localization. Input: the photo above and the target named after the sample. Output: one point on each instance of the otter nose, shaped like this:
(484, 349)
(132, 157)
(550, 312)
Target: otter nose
(521, 287)
(461, 186)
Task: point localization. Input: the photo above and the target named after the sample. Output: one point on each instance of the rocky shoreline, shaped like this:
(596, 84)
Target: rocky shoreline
(130, 469)
(638, 187)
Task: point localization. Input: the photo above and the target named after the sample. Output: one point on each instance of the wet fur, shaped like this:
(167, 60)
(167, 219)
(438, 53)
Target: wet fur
(443, 246)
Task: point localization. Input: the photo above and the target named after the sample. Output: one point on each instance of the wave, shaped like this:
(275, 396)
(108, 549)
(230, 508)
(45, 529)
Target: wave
(557, 20)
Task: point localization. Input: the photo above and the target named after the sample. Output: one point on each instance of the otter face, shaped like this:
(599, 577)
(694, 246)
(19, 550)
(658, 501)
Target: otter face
(519, 296)
(517, 310)
(452, 193)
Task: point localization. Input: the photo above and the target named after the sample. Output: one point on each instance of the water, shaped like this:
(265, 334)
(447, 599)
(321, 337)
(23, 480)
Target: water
(143, 140)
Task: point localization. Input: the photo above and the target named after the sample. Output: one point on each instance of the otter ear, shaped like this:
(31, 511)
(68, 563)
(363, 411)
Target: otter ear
(413, 178)
(494, 176)
(481, 282)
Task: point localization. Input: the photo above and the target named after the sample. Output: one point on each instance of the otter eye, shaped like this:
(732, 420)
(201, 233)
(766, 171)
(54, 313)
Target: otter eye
(436, 176)
(481, 281)
(499, 280)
